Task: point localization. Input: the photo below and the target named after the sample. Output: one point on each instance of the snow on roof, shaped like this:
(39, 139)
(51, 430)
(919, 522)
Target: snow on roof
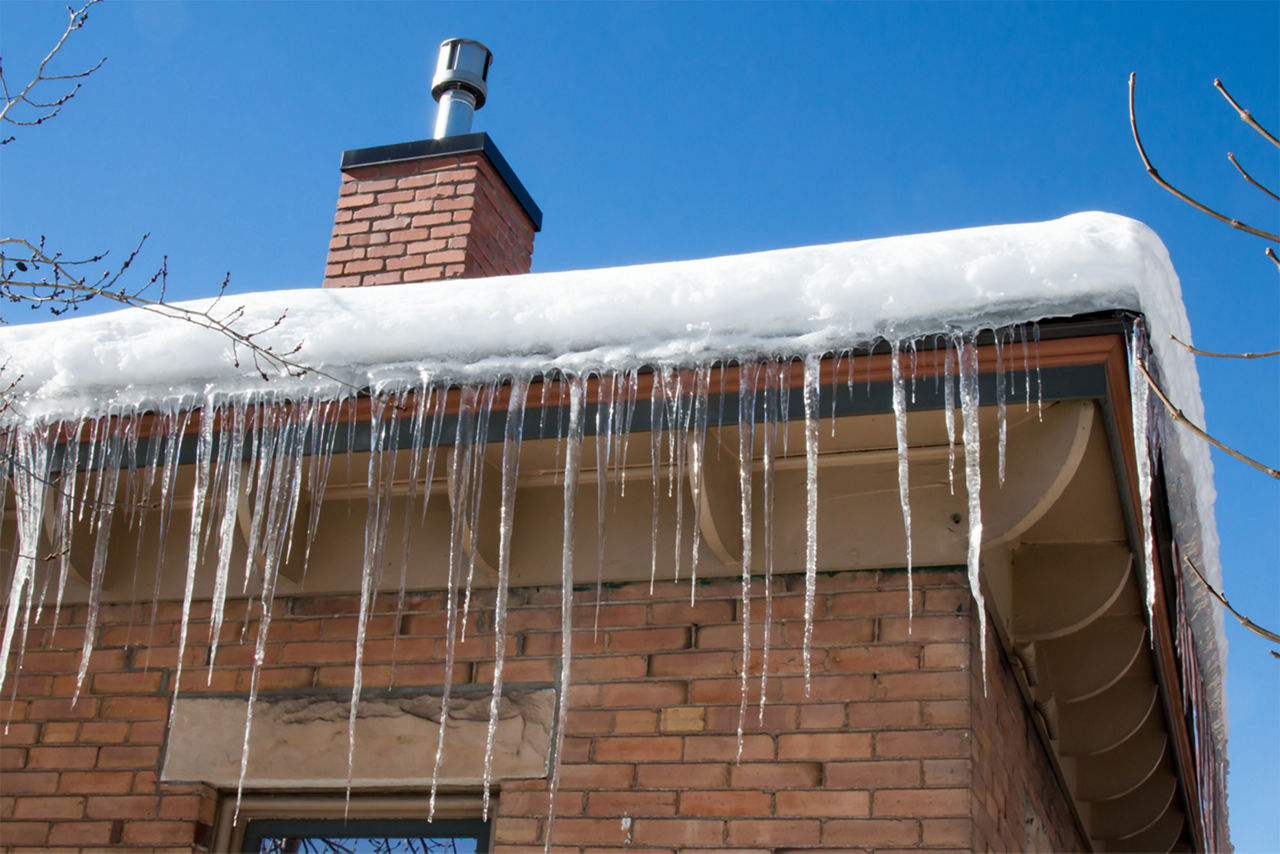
(797, 301)
(791, 300)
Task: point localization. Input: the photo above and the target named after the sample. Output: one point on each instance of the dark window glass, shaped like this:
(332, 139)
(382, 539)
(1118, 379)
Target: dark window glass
(365, 836)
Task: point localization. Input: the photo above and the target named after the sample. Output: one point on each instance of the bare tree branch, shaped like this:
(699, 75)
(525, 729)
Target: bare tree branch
(1272, 255)
(1245, 115)
(1177, 415)
(1155, 175)
(65, 290)
(46, 109)
(1249, 177)
(1184, 345)
(1244, 621)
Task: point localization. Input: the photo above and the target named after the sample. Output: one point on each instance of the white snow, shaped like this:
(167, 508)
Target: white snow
(794, 303)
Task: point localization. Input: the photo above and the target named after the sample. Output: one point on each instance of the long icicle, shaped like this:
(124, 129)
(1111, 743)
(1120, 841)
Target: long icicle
(656, 410)
(459, 471)
(772, 380)
(747, 373)
(904, 485)
(103, 513)
(512, 437)
(1139, 393)
(204, 450)
(372, 559)
(604, 445)
(32, 464)
(973, 483)
(573, 462)
(697, 472)
(227, 532)
(812, 369)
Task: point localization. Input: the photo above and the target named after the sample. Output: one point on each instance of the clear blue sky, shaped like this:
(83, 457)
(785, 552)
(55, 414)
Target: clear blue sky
(652, 132)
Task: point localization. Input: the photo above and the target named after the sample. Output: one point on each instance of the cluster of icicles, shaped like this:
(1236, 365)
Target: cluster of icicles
(273, 439)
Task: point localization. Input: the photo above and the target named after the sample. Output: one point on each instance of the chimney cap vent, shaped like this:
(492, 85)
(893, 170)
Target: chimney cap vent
(462, 64)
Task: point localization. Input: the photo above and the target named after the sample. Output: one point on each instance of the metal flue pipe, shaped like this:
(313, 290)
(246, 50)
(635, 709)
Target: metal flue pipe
(459, 85)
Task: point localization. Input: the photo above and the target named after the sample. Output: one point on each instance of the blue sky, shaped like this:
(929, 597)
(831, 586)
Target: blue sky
(663, 131)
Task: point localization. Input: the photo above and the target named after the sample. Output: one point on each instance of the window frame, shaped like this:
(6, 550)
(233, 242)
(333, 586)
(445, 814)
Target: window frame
(230, 831)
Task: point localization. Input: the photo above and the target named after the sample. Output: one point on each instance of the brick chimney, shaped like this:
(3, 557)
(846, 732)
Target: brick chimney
(433, 209)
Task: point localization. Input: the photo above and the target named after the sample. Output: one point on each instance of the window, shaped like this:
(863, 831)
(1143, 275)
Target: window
(372, 825)
(364, 836)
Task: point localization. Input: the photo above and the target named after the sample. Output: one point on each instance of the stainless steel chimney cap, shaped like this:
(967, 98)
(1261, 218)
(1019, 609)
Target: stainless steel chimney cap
(462, 64)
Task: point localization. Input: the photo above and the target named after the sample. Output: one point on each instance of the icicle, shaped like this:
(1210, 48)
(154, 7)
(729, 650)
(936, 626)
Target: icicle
(835, 385)
(747, 374)
(104, 512)
(973, 483)
(679, 446)
(617, 416)
(949, 412)
(29, 599)
(1026, 366)
(204, 450)
(65, 509)
(458, 474)
(1002, 423)
(260, 457)
(573, 459)
(176, 423)
(478, 446)
(89, 467)
(144, 503)
(417, 432)
(135, 517)
(287, 445)
(671, 393)
(228, 529)
(697, 451)
(904, 486)
(1035, 332)
(915, 371)
(604, 435)
(655, 464)
(772, 381)
(379, 501)
(1139, 393)
(31, 469)
(632, 383)
(512, 438)
(326, 434)
(812, 369)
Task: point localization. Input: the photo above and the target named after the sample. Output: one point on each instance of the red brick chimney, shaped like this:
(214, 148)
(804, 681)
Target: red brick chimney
(433, 209)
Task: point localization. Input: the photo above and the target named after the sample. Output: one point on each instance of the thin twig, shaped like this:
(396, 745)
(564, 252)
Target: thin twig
(1244, 621)
(1155, 175)
(1184, 345)
(1249, 177)
(1272, 255)
(1245, 115)
(1177, 415)
(68, 290)
(46, 110)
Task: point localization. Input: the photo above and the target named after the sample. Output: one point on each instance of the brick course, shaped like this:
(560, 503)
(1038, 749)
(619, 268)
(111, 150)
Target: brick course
(442, 217)
(895, 745)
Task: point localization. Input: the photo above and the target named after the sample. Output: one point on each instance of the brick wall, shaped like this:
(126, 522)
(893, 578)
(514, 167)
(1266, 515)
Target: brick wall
(1018, 804)
(893, 748)
(441, 217)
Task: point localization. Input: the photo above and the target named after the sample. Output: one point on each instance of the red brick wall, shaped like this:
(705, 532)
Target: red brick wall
(1012, 778)
(893, 748)
(442, 217)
